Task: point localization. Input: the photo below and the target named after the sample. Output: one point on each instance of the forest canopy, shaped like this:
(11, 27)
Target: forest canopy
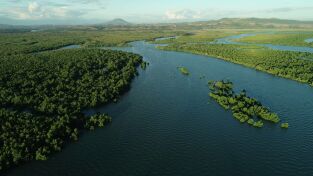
(43, 95)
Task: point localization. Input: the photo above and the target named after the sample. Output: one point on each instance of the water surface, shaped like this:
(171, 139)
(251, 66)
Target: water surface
(70, 47)
(167, 125)
(310, 40)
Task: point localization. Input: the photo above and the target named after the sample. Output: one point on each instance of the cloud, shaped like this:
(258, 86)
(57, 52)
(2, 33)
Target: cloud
(287, 9)
(216, 13)
(39, 11)
(87, 1)
(182, 14)
(33, 6)
(45, 10)
(191, 15)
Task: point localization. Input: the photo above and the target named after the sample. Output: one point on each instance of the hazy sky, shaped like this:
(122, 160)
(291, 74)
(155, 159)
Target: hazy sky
(147, 11)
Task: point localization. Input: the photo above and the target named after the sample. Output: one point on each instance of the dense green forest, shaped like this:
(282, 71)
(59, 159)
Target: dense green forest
(288, 64)
(43, 95)
(243, 107)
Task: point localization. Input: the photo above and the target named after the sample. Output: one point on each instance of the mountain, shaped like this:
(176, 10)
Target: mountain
(253, 23)
(118, 22)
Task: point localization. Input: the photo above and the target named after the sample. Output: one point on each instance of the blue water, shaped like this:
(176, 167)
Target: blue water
(166, 38)
(310, 40)
(70, 47)
(167, 125)
(229, 39)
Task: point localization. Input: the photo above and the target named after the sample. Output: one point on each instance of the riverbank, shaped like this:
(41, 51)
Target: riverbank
(285, 64)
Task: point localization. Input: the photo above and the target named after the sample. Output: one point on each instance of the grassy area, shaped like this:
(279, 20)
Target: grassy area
(290, 39)
(202, 36)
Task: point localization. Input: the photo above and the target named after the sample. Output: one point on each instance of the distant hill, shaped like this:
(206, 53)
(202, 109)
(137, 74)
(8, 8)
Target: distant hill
(253, 23)
(5, 26)
(117, 22)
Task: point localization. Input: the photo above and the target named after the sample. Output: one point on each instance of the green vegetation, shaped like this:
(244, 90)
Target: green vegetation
(183, 70)
(98, 120)
(244, 108)
(289, 39)
(144, 65)
(284, 125)
(43, 95)
(292, 65)
(32, 42)
(258, 124)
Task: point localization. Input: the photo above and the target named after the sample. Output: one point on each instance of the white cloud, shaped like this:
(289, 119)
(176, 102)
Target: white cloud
(183, 14)
(203, 14)
(216, 13)
(38, 11)
(33, 7)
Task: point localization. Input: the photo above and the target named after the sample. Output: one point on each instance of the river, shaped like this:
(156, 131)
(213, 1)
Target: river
(167, 125)
(310, 40)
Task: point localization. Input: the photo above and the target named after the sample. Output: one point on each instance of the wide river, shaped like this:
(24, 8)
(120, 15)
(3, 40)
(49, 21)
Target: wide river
(167, 125)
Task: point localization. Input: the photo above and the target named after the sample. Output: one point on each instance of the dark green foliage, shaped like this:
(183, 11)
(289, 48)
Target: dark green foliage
(42, 97)
(144, 65)
(98, 120)
(244, 108)
(24, 43)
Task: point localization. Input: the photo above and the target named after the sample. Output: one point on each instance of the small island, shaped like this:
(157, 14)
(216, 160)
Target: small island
(244, 108)
(284, 125)
(183, 70)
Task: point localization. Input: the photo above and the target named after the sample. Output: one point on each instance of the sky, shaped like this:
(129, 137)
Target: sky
(147, 11)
